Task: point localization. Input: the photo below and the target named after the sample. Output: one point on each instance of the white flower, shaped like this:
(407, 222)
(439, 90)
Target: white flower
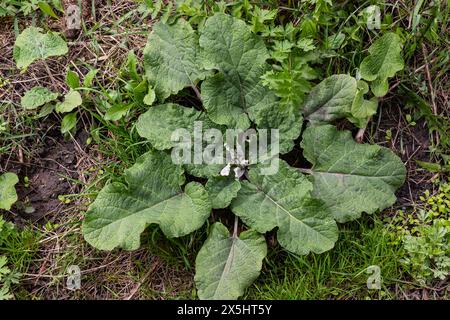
(238, 162)
(226, 170)
(238, 172)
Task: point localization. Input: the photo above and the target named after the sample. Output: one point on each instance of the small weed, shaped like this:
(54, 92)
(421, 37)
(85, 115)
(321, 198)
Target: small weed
(424, 233)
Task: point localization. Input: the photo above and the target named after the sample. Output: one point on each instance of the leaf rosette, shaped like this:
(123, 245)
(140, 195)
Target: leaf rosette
(227, 61)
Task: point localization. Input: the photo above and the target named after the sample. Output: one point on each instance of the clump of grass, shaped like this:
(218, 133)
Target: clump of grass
(19, 246)
(341, 273)
(18, 249)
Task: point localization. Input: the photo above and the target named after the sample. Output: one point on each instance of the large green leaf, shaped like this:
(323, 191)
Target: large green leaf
(32, 45)
(222, 190)
(384, 61)
(152, 194)
(204, 170)
(226, 265)
(351, 178)
(172, 59)
(159, 122)
(239, 55)
(284, 200)
(8, 195)
(288, 121)
(36, 97)
(331, 99)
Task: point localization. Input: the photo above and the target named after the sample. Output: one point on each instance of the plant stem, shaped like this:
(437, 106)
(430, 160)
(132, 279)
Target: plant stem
(197, 93)
(360, 135)
(235, 229)
(307, 171)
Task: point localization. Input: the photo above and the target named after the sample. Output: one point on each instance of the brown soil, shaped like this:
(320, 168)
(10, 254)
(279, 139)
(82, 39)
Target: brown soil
(55, 161)
(411, 143)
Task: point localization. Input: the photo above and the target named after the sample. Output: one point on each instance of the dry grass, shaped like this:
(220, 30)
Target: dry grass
(114, 275)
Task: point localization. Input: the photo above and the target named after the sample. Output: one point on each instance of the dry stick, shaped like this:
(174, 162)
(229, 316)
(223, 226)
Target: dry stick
(430, 86)
(137, 287)
(33, 79)
(33, 276)
(423, 66)
(50, 74)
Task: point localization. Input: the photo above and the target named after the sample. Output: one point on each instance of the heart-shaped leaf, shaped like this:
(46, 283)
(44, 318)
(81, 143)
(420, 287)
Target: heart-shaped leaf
(226, 265)
(239, 56)
(384, 61)
(71, 101)
(331, 99)
(172, 59)
(32, 45)
(284, 200)
(351, 178)
(222, 190)
(152, 194)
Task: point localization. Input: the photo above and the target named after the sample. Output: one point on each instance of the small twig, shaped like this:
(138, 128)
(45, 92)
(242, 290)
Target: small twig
(430, 86)
(430, 83)
(395, 85)
(139, 284)
(50, 73)
(20, 155)
(423, 66)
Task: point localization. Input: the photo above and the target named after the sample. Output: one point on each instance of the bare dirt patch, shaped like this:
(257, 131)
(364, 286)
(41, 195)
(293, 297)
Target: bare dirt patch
(48, 174)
